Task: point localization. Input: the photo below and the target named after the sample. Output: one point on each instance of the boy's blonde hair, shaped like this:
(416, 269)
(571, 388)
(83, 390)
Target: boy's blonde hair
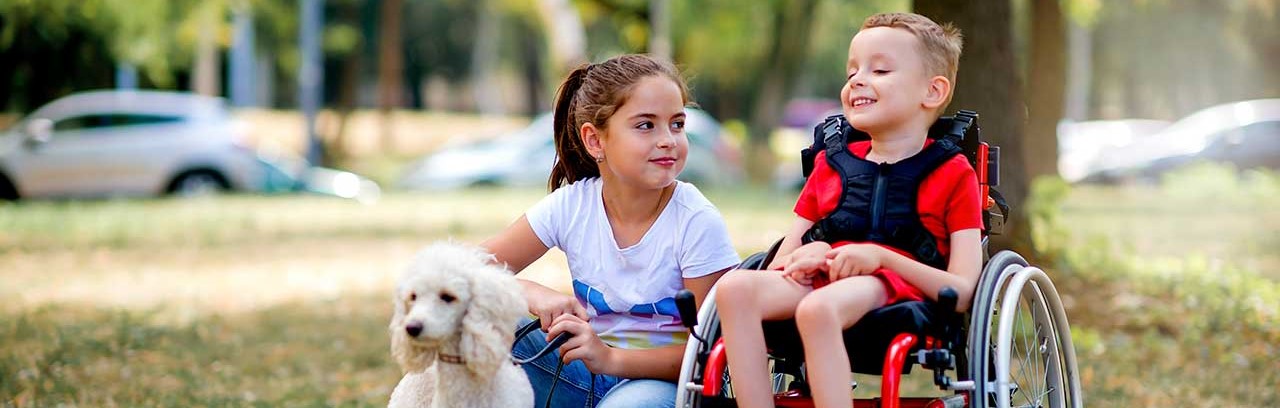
(940, 45)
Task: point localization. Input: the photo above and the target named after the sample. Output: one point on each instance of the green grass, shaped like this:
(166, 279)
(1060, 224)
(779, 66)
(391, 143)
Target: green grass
(297, 354)
(283, 301)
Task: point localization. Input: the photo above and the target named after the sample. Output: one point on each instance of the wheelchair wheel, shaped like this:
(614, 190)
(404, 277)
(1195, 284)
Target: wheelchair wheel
(689, 391)
(1021, 354)
(689, 394)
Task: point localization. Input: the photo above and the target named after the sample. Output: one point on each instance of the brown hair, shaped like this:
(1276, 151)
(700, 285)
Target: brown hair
(940, 45)
(592, 93)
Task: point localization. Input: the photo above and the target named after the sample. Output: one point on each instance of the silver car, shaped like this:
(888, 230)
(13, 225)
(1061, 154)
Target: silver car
(1245, 134)
(126, 143)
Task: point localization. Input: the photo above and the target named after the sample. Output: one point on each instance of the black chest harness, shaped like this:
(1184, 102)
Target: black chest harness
(879, 200)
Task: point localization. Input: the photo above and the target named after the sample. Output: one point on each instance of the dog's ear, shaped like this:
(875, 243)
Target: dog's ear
(410, 358)
(488, 327)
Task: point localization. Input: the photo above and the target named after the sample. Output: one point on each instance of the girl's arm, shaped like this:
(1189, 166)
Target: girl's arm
(517, 246)
(962, 272)
(660, 363)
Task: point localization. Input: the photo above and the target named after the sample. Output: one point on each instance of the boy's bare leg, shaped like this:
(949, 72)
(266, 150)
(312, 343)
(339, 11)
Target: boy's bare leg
(744, 298)
(821, 317)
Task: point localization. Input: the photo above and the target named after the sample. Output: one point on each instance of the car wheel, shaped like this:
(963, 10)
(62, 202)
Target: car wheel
(8, 192)
(198, 183)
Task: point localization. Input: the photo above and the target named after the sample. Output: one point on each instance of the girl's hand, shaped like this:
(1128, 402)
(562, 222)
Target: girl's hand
(853, 260)
(548, 305)
(585, 345)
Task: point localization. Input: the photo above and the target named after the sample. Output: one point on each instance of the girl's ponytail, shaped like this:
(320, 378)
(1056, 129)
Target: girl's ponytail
(573, 162)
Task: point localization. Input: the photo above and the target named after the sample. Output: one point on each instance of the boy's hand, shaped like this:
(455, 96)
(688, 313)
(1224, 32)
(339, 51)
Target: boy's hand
(779, 262)
(853, 260)
(806, 261)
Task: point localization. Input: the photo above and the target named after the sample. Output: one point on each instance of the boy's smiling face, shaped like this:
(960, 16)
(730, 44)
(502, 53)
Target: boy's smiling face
(887, 84)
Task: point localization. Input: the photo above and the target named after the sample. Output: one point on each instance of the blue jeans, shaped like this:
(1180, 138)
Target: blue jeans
(575, 381)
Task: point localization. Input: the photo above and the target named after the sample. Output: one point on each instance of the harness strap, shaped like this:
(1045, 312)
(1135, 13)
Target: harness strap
(912, 237)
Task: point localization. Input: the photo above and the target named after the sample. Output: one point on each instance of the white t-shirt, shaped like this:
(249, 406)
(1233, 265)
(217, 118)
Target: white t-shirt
(629, 292)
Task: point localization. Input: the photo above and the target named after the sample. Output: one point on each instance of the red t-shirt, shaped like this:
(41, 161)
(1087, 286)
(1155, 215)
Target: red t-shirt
(947, 202)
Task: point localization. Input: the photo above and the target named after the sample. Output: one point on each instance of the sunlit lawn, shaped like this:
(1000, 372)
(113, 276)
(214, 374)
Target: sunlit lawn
(283, 301)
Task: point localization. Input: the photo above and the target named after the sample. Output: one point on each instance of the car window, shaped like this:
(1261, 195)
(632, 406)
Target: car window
(96, 121)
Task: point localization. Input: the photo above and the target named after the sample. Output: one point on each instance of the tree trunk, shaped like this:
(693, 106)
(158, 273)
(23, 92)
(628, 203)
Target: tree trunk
(988, 83)
(792, 25)
(568, 37)
(207, 65)
(1046, 88)
(660, 28)
(390, 67)
(531, 68)
(348, 88)
(484, 59)
(1079, 71)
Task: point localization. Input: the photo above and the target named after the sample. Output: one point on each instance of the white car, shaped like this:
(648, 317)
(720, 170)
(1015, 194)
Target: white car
(525, 157)
(126, 143)
(1081, 143)
(1244, 133)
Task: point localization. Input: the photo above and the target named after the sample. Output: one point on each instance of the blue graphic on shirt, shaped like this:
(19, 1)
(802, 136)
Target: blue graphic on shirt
(595, 299)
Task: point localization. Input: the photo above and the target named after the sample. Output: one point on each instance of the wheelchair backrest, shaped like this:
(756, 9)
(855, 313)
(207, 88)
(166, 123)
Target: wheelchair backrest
(962, 127)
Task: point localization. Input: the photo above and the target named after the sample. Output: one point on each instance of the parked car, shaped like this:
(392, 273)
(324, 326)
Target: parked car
(1080, 143)
(525, 158)
(1246, 134)
(292, 174)
(140, 143)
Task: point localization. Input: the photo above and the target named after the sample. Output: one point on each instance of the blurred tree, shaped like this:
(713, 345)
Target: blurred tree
(438, 46)
(1046, 88)
(1165, 59)
(484, 58)
(355, 17)
(988, 83)
(660, 28)
(49, 48)
(209, 16)
(567, 38)
(744, 62)
(390, 66)
(787, 49)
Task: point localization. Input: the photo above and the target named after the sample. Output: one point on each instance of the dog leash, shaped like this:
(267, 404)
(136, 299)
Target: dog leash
(555, 343)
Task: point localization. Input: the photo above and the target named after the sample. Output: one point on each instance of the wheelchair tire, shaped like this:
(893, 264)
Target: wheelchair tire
(981, 313)
(708, 328)
(1018, 317)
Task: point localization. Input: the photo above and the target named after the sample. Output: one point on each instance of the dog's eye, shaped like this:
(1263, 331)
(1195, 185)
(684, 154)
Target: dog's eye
(413, 297)
(447, 298)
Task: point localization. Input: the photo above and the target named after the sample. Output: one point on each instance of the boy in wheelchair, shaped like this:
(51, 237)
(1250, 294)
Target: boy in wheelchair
(891, 219)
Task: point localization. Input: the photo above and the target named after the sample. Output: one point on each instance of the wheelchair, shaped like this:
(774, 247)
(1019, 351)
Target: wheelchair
(1013, 349)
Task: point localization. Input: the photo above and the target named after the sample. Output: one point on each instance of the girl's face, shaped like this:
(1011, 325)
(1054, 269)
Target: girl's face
(887, 81)
(644, 145)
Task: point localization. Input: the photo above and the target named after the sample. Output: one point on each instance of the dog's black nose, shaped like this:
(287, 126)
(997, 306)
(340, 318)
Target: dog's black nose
(413, 328)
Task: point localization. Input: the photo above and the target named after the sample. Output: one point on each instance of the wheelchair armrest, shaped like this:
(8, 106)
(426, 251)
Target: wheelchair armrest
(761, 260)
(773, 252)
(946, 327)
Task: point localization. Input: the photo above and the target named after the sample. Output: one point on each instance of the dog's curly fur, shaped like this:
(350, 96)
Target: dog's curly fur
(462, 305)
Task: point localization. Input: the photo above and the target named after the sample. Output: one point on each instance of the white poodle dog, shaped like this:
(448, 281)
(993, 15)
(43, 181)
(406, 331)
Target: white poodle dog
(455, 313)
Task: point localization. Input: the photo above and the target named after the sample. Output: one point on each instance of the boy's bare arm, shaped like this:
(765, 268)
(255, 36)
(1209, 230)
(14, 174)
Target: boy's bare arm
(962, 271)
